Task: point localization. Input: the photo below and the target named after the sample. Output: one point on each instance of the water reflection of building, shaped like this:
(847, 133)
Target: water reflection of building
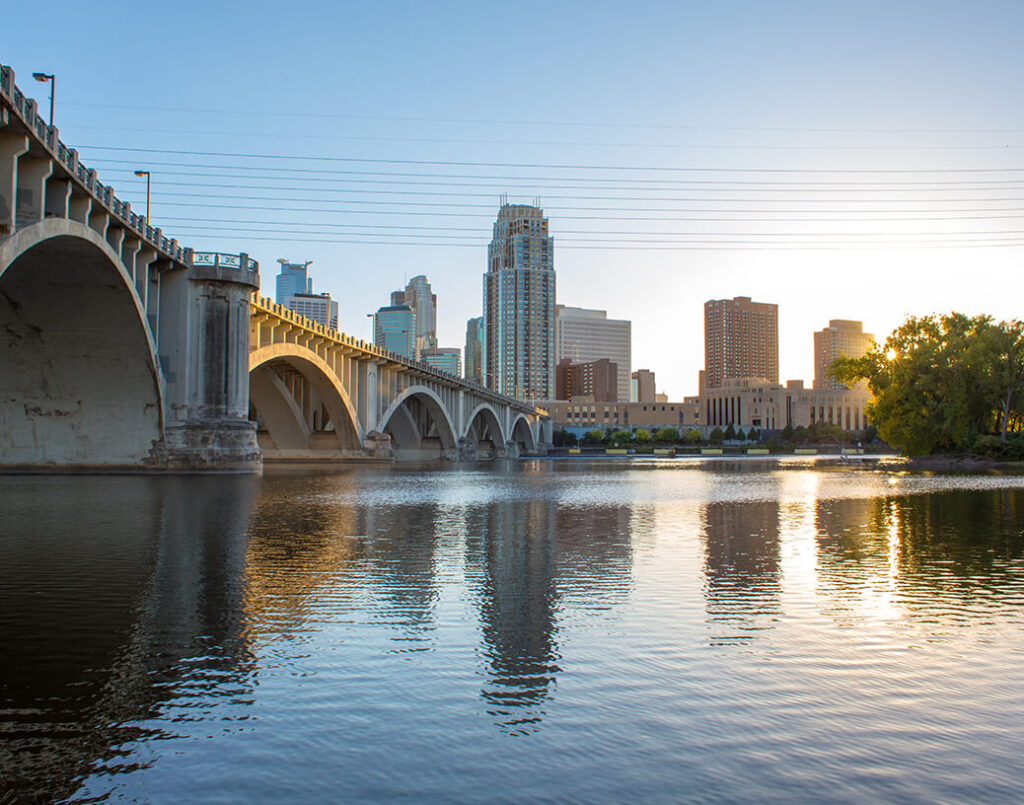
(529, 559)
(106, 585)
(742, 575)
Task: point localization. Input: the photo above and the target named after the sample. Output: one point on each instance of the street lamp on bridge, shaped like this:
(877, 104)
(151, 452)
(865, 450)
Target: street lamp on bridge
(50, 77)
(148, 177)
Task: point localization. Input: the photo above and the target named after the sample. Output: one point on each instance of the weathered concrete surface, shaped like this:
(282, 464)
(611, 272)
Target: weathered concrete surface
(79, 383)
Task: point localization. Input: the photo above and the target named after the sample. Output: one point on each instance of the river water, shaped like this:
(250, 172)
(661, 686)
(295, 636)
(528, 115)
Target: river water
(563, 631)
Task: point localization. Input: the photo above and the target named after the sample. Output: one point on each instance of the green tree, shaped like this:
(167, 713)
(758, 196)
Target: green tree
(563, 438)
(939, 381)
(667, 436)
(1001, 348)
(594, 436)
(694, 436)
(740, 435)
(730, 432)
(619, 438)
(716, 436)
(642, 435)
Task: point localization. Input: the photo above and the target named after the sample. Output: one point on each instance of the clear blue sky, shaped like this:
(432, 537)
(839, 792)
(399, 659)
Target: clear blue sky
(740, 88)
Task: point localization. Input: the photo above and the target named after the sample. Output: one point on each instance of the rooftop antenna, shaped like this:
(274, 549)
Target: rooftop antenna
(504, 199)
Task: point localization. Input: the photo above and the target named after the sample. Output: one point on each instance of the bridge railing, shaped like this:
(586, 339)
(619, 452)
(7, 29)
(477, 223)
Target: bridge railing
(67, 157)
(241, 262)
(268, 305)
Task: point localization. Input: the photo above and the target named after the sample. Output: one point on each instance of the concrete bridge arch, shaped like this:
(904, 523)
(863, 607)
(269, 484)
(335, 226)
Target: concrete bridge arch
(80, 379)
(483, 421)
(295, 431)
(522, 434)
(420, 425)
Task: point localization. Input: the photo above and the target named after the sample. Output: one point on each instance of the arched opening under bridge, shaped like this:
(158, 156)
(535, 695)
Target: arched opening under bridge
(419, 426)
(79, 378)
(301, 409)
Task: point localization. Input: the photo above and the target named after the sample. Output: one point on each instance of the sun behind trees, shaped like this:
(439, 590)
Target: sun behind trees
(948, 383)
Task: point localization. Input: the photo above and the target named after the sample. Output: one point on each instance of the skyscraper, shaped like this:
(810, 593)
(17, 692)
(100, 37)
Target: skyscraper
(316, 306)
(447, 358)
(519, 304)
(583, 335)
(293, 279)
(474, 351)
(394, 328)
(294, 290)
(841, 337)
(741, 339)
(418, 296)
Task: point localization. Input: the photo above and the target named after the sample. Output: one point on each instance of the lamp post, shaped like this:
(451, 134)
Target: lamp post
(148, 177)
(48, 77)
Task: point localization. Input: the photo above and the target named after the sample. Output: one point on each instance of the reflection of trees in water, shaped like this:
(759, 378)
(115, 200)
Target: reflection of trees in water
(945, 546)
(116, 595)
(961, 539)
(530, 557)
(742, 576)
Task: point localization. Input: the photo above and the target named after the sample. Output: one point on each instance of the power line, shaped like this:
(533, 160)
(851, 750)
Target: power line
(719, 146)
(449, 205)
(466, 214)
(436, 194)
(692, 184)
(551, 123)
(693, 246)
(545, 166)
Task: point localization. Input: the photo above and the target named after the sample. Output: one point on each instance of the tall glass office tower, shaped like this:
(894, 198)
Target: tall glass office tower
(394, 328)
(519, 304)
(293, 279)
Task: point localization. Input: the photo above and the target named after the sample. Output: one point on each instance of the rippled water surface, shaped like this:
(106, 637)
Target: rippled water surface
(564, 631)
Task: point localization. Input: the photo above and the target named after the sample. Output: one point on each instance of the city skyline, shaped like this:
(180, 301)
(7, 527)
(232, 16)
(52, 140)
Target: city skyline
(703, 107)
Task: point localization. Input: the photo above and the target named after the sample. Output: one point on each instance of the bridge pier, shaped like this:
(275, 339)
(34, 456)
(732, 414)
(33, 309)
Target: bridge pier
(204, 354)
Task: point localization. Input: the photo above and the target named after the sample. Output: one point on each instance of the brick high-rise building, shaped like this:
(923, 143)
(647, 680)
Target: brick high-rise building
(741, 339)
(841, 337)
(519, 304)
(642, 386)
(595, 379)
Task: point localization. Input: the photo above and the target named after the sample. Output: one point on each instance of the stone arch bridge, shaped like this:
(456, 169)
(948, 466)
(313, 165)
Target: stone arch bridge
(121, 349)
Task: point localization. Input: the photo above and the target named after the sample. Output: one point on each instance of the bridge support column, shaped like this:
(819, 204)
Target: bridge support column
(12, 146)
(204, 352)
(511, 449)
(467, 448)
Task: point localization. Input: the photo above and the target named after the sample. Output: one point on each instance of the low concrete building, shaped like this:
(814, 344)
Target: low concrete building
(752, 402)
(582, 414)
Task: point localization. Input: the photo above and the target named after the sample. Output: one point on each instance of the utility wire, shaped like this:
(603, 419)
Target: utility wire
(546, 166)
